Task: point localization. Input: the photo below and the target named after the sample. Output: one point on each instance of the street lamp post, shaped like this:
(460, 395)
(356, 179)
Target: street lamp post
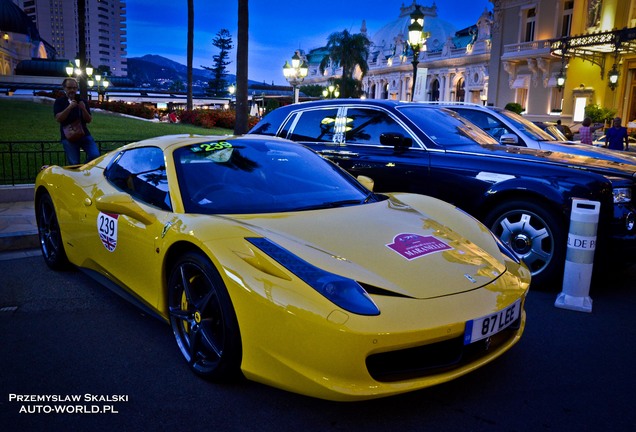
(560, 81)
(231, 90)
(613, 77)
(83, 73)
(331, 92)
(81, 45)
(613, 73)
(101, 85)
(295, 73)
(417, 41)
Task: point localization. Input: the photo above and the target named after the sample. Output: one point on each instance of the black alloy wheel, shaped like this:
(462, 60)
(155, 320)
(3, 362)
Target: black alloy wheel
(536, 236)
(49, 234)
(203, 318)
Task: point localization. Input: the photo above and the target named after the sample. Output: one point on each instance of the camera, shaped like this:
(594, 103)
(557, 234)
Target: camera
(77, 98)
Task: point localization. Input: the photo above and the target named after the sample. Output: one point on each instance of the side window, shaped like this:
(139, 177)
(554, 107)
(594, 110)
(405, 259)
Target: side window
(315, 126)
(492, 126)
(284, 132)
(141, 172)
(364, 126)
(265, 126)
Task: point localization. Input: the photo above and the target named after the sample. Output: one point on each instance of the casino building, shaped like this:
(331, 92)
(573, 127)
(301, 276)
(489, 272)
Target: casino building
(453, 67)
(518, 52)
(556, 57)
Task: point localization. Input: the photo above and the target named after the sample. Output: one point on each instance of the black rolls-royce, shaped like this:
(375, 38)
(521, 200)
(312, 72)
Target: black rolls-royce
(523, 195)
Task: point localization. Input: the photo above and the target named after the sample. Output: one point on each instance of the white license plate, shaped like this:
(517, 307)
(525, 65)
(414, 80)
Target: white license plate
(487, 326)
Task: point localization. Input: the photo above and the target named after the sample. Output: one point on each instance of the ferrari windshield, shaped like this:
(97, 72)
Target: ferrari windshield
(240, 176)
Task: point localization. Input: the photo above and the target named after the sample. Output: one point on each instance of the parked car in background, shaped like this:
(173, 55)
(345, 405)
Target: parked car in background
(600, 142)
(556, 133)
(510, 128)
(562, 131)
(270, 261)
(523, 195)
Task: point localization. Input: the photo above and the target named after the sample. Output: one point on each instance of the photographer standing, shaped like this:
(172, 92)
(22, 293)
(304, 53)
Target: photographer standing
(73, 113)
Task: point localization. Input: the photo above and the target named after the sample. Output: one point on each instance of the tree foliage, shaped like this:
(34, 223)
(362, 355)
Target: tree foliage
(514, 107)
(314, 90)
(176, 86)
(347, 51)
(217, 86)
(349, 87)
(598, 114)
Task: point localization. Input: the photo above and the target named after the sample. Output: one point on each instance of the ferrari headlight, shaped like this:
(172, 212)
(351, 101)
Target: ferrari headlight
(343, 292)
(622, 195)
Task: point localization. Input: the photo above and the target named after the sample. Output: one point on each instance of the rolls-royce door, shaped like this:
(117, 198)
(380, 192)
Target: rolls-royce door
(364, 141)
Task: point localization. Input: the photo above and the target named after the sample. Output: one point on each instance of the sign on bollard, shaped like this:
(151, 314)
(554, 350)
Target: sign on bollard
(579, 260)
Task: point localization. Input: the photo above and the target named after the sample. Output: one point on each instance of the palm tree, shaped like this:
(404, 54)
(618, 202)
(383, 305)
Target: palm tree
(348, 51)
(190, 52)
(242, 109)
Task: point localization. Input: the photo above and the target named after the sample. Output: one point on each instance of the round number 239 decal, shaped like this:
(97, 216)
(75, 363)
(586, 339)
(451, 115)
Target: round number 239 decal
(107, 229)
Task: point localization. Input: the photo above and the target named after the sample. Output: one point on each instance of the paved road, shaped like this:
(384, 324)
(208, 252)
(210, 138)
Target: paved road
(61, 334)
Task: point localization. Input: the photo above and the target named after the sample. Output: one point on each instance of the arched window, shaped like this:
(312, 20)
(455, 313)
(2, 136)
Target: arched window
(460, 90)
(434, 90)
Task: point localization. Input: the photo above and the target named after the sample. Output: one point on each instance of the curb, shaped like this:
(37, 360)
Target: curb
(16, 193)
(19, 241)
(17, 220)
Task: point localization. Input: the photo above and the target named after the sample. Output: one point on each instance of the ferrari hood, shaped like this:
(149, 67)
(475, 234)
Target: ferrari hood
(388, 245)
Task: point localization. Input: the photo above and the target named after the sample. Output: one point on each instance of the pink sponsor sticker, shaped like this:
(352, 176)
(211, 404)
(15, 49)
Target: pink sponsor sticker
(412, 246)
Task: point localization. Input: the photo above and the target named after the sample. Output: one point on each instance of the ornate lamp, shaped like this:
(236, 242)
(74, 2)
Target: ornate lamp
(70, 69)
(560, 80)
(613, 77)
(417, 41)
(295, 73)
(101, 84)
(331, 92)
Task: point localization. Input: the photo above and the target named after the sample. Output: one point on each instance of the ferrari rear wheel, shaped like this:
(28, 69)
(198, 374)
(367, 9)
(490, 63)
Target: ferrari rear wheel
(203, 318)
(49, 234)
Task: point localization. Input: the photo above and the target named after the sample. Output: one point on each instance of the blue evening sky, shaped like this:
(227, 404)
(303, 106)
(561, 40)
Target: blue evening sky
(277, 28)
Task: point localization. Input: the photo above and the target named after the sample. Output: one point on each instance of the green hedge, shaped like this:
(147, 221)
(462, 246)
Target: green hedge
(222, 118)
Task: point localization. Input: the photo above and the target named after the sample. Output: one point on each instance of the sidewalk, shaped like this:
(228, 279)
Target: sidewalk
(18, 229)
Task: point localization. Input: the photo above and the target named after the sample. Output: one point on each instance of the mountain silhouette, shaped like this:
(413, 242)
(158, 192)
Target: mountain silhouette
(151, 70)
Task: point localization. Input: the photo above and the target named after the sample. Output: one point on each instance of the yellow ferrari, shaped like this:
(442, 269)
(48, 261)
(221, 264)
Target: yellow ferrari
(271, 262)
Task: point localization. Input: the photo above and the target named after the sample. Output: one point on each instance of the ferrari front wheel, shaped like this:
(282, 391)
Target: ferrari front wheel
(49, 234)
(203, 318)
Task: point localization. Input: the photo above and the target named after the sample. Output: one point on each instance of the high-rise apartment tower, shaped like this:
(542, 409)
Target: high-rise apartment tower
(105, 24)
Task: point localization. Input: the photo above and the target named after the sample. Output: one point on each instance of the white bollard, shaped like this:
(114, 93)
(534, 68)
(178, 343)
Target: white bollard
(579, 260)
